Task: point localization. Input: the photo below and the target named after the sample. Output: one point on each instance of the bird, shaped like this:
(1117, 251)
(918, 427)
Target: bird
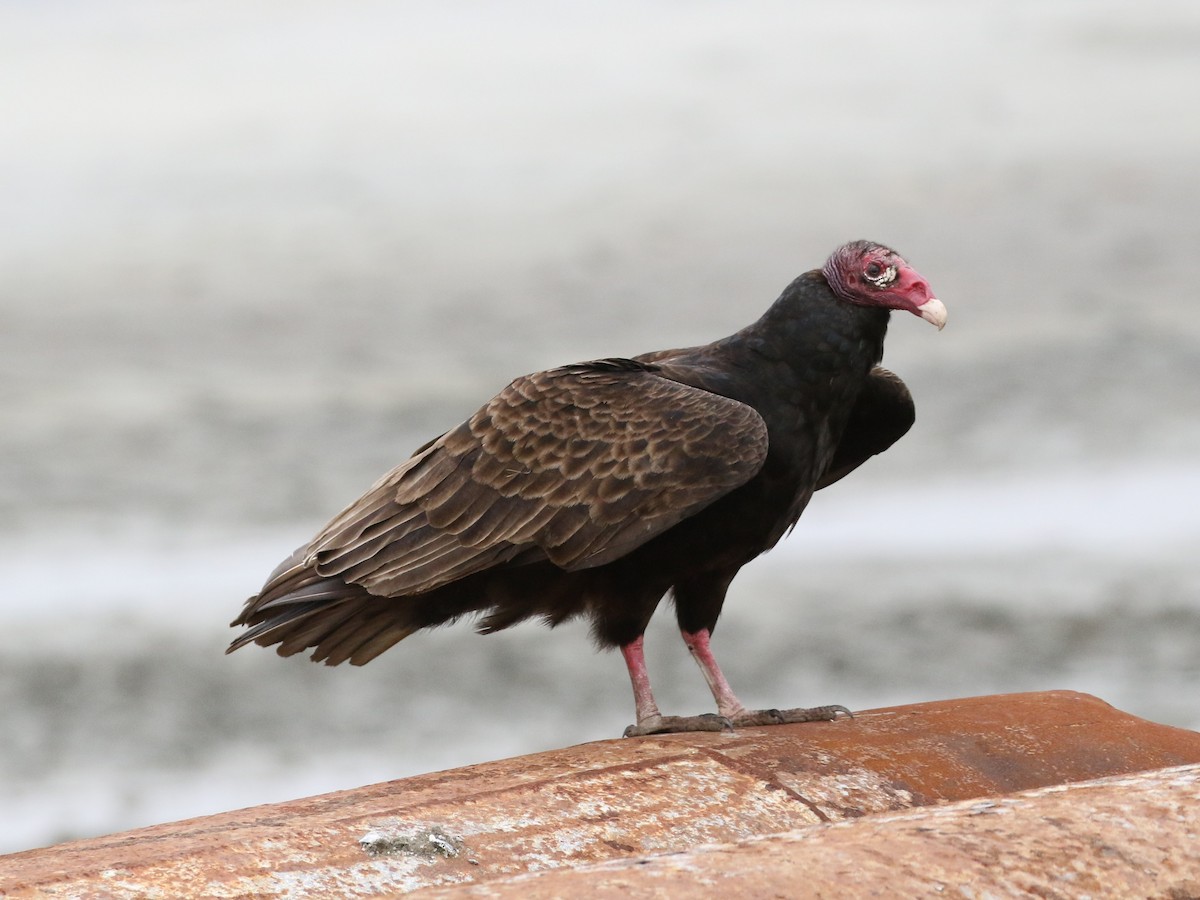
(597, 489)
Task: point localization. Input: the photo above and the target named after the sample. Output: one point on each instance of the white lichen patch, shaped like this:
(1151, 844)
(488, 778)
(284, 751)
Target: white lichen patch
(423, 842)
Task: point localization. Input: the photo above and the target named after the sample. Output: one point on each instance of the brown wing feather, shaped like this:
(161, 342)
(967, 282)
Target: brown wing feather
(582, 464)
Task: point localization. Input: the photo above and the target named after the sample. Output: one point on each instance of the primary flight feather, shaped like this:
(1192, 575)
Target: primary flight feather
(595, 489)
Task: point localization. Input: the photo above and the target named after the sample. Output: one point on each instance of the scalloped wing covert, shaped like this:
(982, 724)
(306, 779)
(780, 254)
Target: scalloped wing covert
(578, 465)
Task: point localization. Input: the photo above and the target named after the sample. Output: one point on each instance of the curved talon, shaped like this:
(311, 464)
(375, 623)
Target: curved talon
(822, 713)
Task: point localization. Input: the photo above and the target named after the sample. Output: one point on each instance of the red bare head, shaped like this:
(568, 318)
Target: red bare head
(871, 274)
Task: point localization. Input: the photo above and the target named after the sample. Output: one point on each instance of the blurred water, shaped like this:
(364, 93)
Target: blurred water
(250, 257)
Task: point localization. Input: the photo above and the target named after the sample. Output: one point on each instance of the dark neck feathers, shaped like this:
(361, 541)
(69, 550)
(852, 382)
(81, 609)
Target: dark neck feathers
(810, 324)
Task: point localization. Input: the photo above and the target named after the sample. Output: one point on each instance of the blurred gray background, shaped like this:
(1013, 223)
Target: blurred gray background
(252, 254)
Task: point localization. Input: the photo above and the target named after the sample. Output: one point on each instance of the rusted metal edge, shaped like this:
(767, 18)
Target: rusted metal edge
(611, 800)
(1130, 836)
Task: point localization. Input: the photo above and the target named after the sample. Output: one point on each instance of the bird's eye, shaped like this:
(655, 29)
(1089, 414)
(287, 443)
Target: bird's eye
(879, 275)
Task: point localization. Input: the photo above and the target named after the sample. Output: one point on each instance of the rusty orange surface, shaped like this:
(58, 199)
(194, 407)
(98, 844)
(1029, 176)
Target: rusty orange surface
(611, 800)
(1129, 836)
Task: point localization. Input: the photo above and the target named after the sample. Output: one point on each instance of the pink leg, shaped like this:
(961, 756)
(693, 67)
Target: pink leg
(728, 705)
(649, 719)
(731, 707)
(643, 697)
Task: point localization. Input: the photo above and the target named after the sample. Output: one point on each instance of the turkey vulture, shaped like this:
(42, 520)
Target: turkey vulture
(597, 488)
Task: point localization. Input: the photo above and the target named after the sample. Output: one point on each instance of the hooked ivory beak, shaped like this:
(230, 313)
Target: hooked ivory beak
(933, 310)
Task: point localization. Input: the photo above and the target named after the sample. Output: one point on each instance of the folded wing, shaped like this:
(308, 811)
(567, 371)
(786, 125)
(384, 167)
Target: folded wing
(577, 465)
(882, 414)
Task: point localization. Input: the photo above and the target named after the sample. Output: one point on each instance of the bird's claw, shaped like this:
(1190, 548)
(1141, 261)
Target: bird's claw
(677, 724)
(747, 719)
(754, 717)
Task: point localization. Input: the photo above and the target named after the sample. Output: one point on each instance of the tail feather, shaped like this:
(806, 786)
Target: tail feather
(324, 590)
(378, 643)
(339, 620)
(316, 627)
(342, 641)
(299, 609)
(262, 632)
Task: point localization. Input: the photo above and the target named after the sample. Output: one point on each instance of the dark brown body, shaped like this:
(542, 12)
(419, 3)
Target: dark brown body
(597, 489)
